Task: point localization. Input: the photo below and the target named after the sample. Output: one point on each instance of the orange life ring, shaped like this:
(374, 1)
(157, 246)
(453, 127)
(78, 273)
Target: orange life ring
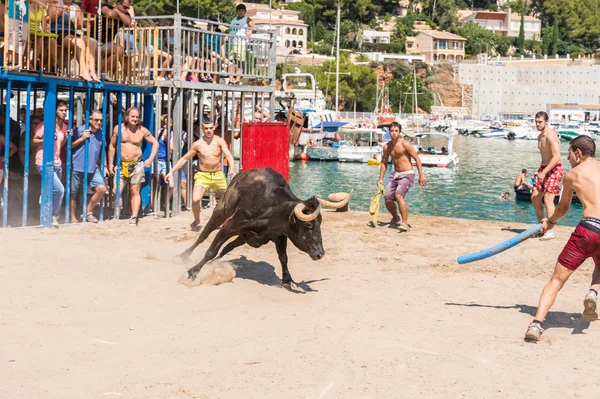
(311, 142)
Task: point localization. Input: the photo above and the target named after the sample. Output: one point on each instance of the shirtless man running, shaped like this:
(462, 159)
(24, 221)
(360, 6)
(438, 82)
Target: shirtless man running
(584, 243)
(547, 180)
(403, 176)
(209, 150)
(132, 164)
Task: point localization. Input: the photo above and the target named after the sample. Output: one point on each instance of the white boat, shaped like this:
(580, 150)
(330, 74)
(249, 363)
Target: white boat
(568, 134)
(322, 146)
(323, 153)
(432, 157)
(517, 133)
(490, 133)
(360, 144)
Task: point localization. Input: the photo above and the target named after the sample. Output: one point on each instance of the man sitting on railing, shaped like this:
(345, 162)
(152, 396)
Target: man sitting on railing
(113, 19)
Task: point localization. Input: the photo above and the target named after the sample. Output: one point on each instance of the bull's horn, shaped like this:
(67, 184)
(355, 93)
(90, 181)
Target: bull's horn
(306, 218)
(337, 205)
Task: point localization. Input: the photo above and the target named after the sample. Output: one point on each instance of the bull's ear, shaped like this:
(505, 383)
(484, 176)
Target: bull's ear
(293, 218)
(311, 204)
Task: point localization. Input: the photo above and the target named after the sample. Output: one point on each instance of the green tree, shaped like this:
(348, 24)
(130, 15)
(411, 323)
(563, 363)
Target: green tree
(555, 38)
(521, 38)
(402, 92)
(357, 88)
(578, 22)
(503, 44)
(404, 28)
(443, 12)
(479, 39)
(355, 35)
(221, 10)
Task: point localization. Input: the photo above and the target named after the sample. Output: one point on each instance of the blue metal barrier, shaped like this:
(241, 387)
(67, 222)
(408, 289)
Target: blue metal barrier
(6, 152)
(86, 155)
(69, 166)
(26, 155)
(103, 153)
(117, 159)
(146, 188)
(48, 154)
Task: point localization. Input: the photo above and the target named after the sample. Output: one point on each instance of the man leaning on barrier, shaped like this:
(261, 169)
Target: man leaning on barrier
(96, 182)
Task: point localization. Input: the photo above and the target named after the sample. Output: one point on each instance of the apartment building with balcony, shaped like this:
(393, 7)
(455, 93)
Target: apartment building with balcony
(503, 23)
(437, 46)
(290, 30)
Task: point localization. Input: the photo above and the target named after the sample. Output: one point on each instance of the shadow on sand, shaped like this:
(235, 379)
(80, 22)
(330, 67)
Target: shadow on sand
(516, 231)
(553, 320)
(264, 273)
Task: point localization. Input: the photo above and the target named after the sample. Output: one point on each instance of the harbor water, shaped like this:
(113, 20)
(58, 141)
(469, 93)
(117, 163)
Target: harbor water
(487, 168)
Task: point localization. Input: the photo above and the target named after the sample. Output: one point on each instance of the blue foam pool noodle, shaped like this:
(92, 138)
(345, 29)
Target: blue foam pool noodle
(503, 246)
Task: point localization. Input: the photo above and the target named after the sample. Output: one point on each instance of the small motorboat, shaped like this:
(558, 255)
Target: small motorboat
(525, 196)
(433, 157)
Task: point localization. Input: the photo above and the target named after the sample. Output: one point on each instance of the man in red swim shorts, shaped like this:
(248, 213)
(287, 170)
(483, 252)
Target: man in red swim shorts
(584, 243)
(547, 180)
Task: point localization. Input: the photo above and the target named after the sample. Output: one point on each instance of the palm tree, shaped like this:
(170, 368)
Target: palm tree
(356, 35)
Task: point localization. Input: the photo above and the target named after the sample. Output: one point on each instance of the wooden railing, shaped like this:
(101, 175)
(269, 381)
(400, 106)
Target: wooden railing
(68, 43)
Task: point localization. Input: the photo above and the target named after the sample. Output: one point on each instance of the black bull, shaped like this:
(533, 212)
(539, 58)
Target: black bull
(259, 207)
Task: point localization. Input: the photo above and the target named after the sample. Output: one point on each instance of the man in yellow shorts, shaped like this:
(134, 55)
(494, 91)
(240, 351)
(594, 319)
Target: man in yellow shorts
(209, 150)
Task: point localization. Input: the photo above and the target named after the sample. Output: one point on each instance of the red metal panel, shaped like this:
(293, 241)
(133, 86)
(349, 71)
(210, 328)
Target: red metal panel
(266, 144)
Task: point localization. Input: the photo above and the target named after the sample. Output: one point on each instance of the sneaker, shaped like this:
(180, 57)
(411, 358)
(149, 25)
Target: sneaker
(549, 235)
(55, 222)
(403, 227)
(133, 222)
(534, 332)
(589, 305)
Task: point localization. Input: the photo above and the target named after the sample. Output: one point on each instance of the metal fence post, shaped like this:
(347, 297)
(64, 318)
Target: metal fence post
(48, 153)
(177, 124)
(26, 155)
(177, 47)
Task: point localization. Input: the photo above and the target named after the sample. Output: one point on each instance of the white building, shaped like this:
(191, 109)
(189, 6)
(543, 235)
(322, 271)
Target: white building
(290, 30)
(503, 23)
(381, 57)
(374, 36)
(513, 89)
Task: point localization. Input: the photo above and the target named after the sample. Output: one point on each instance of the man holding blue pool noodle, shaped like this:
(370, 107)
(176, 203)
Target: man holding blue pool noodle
(584, 243)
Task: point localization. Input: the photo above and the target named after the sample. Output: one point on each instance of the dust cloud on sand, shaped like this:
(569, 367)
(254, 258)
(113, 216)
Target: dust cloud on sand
(96, 311)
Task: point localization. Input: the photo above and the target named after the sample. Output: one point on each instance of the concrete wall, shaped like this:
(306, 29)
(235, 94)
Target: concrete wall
(498, 89)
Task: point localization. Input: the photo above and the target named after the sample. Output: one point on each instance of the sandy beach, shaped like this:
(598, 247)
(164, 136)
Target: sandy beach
(96, 311)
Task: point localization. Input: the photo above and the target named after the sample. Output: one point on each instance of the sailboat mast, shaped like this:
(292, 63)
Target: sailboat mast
(416, 97)
(415, 91)
(337, 65)
(376, 95)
